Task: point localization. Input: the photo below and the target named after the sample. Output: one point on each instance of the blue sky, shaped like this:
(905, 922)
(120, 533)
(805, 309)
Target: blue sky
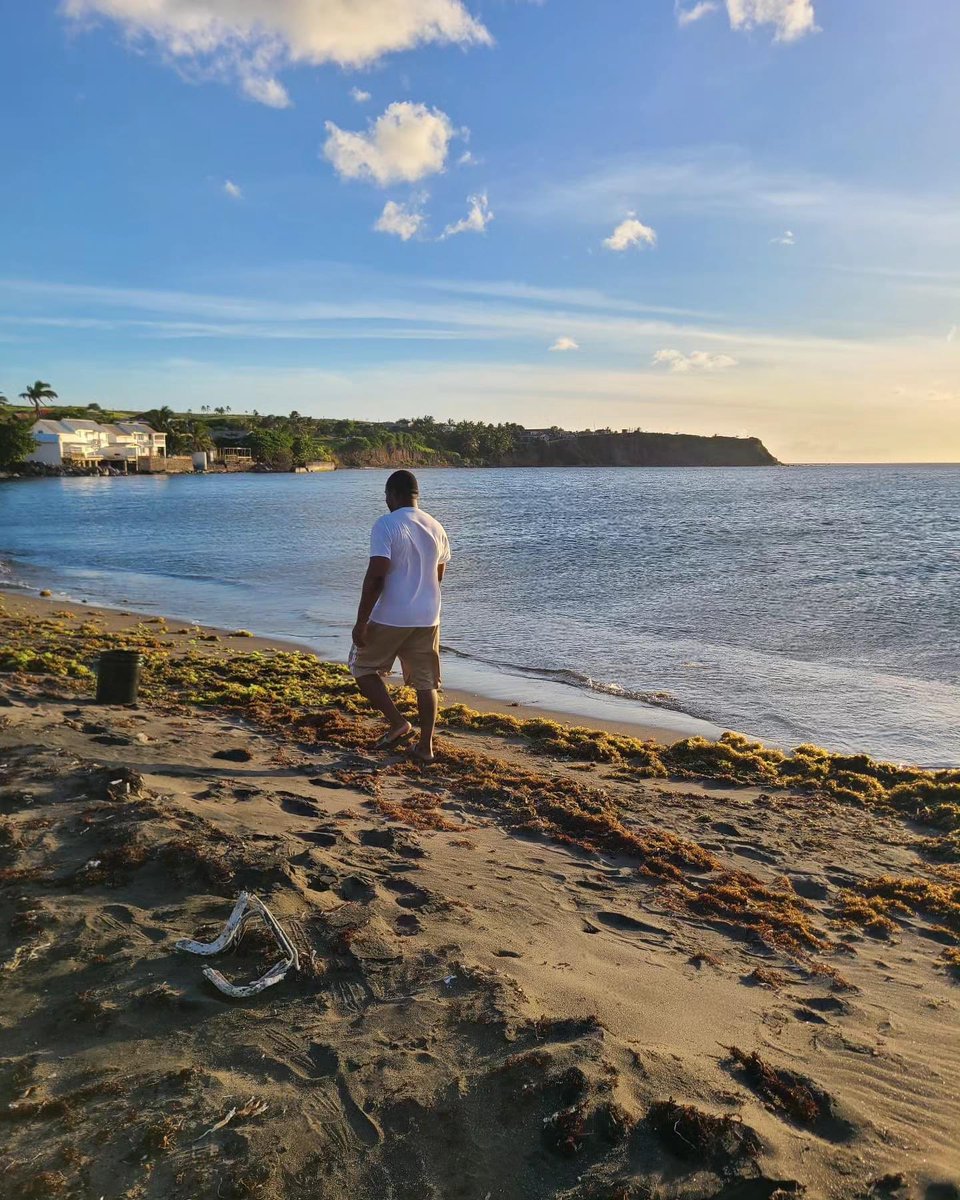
(729, 217)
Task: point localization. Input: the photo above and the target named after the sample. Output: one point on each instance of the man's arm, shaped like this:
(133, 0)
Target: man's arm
(369, 594)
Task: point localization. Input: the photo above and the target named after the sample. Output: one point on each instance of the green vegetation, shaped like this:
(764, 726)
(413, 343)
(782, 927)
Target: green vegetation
(281, 443)
(16, 442)
(296, 439)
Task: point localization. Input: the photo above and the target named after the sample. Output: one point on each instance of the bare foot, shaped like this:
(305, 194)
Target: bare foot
(393, 736)
(421, 755)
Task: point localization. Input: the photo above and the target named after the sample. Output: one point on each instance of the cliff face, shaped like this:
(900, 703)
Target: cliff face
(381, 457)
(642, 450)
(585, 450)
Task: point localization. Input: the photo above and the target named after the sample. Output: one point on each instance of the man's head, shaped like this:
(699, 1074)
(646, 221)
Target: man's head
(402, 490)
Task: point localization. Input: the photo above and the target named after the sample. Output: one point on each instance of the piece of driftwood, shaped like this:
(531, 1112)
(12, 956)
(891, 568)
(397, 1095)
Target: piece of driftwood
(247, 906)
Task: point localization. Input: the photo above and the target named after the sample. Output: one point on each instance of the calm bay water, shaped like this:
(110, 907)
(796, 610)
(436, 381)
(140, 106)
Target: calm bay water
(803, 604)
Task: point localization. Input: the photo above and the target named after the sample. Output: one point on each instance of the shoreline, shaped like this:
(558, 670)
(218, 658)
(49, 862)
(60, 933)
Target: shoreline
(541, 915)
(673, 727)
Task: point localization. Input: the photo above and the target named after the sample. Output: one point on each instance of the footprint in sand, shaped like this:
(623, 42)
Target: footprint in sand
(299, 807)
(624, 924)
(809, 887)
(317, 837)
(358, 887)
(409, 895)
(326, 1063)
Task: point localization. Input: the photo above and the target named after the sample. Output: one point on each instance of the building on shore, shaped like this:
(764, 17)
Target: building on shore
(74, 443)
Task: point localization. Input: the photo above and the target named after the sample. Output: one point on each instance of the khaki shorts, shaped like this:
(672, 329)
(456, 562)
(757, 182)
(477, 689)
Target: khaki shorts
(417, 649)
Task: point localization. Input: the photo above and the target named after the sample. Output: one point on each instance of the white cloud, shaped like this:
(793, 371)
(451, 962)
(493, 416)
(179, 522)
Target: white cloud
(404, 221)
(359, 95)
(265, 90)
(253, 39)
(406, 143)
(233, 190)
(477, 219)
(630, 232)
(696, 360)
(791, 19)
(787, 238)
(687, 16)
(563, 344)
(953, 333)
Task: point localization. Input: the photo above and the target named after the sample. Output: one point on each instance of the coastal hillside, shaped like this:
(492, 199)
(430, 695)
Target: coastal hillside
(605, 449)
(282, 443)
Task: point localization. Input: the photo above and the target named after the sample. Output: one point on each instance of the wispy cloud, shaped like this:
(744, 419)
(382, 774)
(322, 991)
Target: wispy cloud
(359, 96)
(696, 360)
(479, 216)
(266, 90)
(563, 344)
(406, 143)
(374, 305)
(233, 190)
(687, 16)
(723, 181)
(787, 238)
(567, 297)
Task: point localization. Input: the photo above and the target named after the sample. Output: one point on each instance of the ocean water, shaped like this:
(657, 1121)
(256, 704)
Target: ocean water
(795, 604)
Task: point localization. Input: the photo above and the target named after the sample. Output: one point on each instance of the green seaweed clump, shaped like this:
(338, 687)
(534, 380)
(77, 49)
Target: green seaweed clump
(733, 759)
(566, 741)
(41, 662)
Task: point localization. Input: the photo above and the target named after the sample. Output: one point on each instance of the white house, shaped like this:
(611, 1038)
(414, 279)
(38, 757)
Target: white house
(150, 444)
(73, 441)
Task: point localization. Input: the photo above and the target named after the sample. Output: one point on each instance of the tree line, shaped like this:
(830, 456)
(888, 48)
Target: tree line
(281, 442)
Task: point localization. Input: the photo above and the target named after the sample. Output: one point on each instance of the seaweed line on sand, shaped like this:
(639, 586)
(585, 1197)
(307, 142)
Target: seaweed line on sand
(301, 698)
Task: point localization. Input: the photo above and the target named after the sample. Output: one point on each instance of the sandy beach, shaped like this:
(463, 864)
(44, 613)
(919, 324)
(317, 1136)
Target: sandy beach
(556, 963)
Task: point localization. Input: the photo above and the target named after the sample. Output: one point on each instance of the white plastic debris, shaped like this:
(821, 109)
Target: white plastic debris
(247, 906)
(252, 1108)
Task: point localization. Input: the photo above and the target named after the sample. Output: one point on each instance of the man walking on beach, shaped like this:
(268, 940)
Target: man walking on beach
(399, 613)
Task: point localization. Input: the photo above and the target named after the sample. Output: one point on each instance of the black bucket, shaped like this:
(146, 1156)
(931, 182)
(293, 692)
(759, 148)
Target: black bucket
(118, 677)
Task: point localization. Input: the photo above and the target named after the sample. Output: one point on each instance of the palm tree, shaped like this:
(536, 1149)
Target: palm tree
(163, 420)
(37, 392)
(199, 436)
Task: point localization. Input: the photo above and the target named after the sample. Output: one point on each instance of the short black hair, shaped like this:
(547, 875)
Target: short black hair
(403, 484)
